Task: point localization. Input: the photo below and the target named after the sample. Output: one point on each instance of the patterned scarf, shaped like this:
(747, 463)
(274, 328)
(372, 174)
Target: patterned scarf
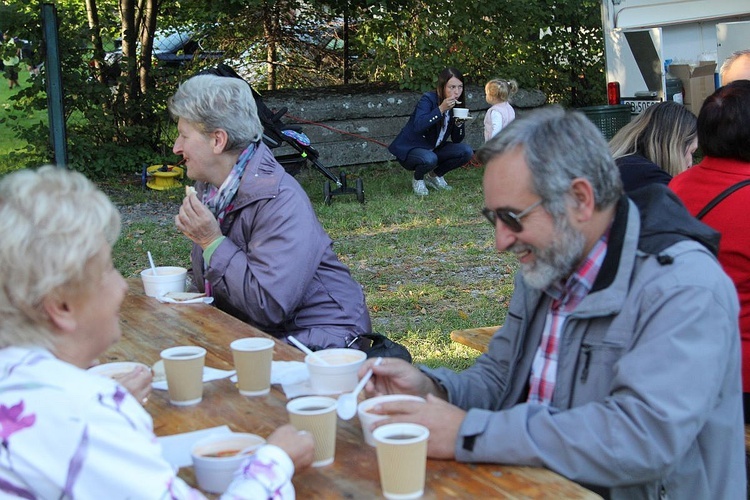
(220, 200)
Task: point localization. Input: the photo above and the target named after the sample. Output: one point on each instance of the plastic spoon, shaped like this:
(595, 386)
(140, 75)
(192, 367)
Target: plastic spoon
(302, 347)
(346, 406)
(151, 261)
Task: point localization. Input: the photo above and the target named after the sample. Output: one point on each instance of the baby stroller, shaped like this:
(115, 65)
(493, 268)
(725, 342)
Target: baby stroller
(276, 133)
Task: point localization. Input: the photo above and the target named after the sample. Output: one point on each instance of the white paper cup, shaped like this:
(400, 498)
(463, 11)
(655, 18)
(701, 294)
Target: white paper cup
(215, 473)
(168, 279)
(367, 419)
(402, 459)
(340, 375)
(252, 359)
(460, 112)
(316, 415)
(183, 366)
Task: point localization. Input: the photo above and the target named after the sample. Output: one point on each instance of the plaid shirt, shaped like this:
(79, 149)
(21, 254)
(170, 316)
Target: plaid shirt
(565, 298)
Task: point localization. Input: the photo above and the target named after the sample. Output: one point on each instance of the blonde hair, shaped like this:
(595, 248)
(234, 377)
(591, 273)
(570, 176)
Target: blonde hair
(662, 134)
(499, 90)
(54, 222)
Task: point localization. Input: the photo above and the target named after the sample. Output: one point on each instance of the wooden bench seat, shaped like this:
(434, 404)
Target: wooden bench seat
(476, 338)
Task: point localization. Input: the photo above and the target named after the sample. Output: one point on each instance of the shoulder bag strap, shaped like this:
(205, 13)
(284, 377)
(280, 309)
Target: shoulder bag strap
(711, 204)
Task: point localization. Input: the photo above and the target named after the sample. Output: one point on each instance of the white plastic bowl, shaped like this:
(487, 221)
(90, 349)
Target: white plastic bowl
(168, 279)
(340, 375)
(461, 112)
(215, 474)
(115, 368)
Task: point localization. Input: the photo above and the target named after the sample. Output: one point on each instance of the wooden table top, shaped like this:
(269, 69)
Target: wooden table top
(149, 327)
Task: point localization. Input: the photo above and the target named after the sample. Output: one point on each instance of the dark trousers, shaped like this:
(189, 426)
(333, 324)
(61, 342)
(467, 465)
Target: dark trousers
(449, 156)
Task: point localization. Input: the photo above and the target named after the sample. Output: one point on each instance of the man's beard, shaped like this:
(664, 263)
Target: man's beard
(555, 262)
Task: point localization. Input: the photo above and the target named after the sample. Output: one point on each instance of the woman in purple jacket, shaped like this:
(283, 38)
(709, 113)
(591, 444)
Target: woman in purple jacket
(258, 247)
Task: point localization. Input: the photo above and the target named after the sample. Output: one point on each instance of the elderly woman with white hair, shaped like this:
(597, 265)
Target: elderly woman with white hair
(67, 433)
(258, 247)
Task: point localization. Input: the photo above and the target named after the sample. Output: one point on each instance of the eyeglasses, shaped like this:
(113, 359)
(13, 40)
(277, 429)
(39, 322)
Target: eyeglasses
(511, 219)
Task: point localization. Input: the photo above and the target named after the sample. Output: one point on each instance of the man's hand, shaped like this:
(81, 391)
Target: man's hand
(197, 222)
(440, 417)
(396, 376)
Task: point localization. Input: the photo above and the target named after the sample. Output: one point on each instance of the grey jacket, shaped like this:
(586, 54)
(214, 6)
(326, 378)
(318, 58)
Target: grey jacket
(648, 402)
(276, 269)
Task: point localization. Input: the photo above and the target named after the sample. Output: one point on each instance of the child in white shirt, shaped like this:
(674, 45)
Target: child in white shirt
(501, 113)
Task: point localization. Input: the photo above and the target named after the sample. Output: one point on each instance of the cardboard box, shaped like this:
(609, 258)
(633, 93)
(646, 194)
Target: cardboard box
(697, 81)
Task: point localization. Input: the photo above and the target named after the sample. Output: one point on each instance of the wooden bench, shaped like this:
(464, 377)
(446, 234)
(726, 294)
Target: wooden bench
(476, 338)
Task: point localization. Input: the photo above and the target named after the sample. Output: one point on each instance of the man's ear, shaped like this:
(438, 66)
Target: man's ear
(583, 197)
(220, 139)
(60, 313)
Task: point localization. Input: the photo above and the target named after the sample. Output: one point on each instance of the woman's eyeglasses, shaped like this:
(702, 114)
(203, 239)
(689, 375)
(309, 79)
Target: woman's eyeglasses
(511, 219)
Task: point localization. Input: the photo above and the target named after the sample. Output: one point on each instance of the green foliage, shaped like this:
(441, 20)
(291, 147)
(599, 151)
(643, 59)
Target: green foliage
(554, 46)
(106, 134)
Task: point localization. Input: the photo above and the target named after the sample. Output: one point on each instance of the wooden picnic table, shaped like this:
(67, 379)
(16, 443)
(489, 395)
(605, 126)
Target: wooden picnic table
(149, 327)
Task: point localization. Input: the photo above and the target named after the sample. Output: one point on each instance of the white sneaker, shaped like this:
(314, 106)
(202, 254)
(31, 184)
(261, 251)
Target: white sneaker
(419, 188)
(436, 182)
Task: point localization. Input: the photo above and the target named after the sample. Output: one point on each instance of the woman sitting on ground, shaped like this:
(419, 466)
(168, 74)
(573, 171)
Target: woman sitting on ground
(68, 433)
(657, 145)
(431, 142)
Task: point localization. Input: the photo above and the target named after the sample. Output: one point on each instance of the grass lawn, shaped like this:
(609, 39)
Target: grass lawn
(8, 141)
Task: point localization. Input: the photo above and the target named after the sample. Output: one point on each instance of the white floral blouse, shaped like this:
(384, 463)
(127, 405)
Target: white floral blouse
(70, 434)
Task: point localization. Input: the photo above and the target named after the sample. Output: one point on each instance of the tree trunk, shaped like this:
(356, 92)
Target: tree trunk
(149, 8)
(271, 30)
(96, 39)
(129, 50)
(347, 68)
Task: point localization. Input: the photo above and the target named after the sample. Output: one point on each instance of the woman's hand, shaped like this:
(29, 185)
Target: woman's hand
(299, 445)
(448, 103)
(137, 382)
(197, 222)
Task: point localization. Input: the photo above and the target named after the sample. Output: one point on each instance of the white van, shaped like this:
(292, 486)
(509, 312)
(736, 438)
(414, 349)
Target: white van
(644, 37)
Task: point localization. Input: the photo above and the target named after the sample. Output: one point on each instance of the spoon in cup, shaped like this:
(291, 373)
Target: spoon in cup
(302, 347)
(346, 406)
(151, 261)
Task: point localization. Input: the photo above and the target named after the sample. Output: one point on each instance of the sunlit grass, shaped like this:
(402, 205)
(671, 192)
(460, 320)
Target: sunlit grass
(9, 143)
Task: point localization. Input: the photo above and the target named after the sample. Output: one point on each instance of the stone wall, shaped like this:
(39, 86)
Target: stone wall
(353, 125)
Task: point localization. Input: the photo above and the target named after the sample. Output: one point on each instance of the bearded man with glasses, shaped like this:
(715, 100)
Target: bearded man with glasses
(618, 365)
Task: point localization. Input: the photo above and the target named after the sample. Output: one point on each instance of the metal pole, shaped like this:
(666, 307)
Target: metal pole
(53, 80)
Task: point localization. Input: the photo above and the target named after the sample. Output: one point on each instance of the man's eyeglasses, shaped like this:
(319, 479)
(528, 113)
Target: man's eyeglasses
(510, 219)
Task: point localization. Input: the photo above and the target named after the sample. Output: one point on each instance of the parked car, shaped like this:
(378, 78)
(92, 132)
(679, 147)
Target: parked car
(170, 49)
